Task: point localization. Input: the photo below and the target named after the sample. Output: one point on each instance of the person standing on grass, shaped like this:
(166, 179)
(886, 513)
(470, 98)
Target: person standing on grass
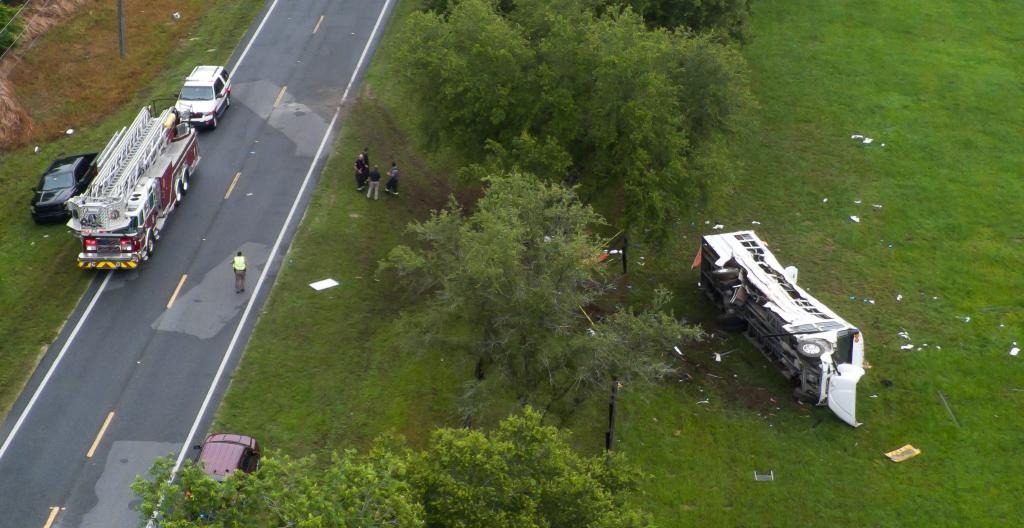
(366, 156)
(361, 173)
(238, 265)
(391, 187)
(374, 184)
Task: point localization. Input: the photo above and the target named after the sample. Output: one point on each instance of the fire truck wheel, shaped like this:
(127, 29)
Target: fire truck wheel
(147, 251)
(213, 124)
(184, 182)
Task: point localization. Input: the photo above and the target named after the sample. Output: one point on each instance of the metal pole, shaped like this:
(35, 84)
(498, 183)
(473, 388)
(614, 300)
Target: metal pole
(609, 437)
(625, 257)
(120, 27)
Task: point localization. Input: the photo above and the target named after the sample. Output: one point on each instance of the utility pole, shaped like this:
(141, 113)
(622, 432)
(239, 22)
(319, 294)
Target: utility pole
(120, 26)
(609, 436)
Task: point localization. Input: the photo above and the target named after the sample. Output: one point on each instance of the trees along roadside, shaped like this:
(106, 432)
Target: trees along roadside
(522, 273)
(521, 475)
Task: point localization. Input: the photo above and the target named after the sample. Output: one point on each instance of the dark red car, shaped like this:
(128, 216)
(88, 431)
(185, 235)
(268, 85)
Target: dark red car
(224, 453)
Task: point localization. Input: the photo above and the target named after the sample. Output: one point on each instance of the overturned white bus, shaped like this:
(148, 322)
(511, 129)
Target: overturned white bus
(821, 354)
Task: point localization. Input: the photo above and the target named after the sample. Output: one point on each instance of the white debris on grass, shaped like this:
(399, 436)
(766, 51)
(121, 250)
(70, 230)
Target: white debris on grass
(907, 347)
(965, 318)
(857, 136)
(858, 201)
(855, 218)
(718, 226)
(323, 284)
(876, 206)
(755, 222)
(899, 297)
(867, 140)
(70, 131)
(1015, 349)
(824, 200)
(904, 334)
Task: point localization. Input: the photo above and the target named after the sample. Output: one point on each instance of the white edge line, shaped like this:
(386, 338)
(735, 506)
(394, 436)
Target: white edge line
(366, 48)
(253, 38)
(53, 366)
(277, 244)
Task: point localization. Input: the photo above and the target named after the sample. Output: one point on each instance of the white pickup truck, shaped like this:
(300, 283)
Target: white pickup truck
(821, 354)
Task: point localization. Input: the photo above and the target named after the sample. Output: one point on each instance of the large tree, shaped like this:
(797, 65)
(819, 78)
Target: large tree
(336, 491)
(622, 110)
(517, 279)
(521, 475)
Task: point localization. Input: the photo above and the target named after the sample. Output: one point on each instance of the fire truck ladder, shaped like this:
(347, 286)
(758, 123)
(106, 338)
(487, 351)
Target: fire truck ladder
(122, 162)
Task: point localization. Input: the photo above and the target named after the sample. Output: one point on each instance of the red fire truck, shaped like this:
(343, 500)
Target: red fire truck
(143, 173)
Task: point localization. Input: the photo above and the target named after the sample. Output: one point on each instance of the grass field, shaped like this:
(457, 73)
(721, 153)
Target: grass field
(39, 284)
(938, 84)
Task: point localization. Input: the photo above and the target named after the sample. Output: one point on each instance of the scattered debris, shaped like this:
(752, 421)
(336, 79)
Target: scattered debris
(965, 318)
(719, 356)
(857, 136)
(764, 477)
(248, 194)
(948, 408)
(869, 301)
(755, 222)
(867, 140)
(176, 15)
(323, 284)
(703, 401)
(858, 201)
(873, 396)
(876, 206)
(680, 352)
(855, 218)
(903, 453)
(718, 226)
(1015, 349)
(824, 200)
(70, 131)
(36, 151)
(907, 347)
(899, 297)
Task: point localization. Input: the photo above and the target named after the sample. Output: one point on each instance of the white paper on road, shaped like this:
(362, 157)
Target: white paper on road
(323, 284)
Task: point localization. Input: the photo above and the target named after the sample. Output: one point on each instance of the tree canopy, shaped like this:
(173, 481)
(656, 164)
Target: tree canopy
(521, 274)
(622, 109)
(523, 474)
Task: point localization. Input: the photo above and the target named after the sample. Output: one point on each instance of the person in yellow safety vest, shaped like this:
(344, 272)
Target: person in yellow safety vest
(238, 264)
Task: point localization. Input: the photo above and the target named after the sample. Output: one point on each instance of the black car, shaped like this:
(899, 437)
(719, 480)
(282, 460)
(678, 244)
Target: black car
(65, 178)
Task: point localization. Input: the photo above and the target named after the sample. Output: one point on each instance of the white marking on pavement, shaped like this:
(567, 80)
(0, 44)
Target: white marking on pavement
(232, 186)
(318, 22)
(366, 48)
(254, 35)
(53, 367)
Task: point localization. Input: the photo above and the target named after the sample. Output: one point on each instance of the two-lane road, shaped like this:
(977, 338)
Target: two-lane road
(147, 354)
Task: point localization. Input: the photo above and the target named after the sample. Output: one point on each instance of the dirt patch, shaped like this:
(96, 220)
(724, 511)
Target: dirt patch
(36, 19)
(70, 74)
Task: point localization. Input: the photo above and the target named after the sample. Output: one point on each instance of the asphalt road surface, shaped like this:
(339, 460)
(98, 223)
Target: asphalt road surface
(137, 371)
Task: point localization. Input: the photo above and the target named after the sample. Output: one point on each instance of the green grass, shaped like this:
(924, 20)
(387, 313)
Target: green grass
(39, 284)
(939, 84)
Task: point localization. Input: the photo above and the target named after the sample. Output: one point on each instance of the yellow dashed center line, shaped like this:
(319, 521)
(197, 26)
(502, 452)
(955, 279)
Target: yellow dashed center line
(318, 22)
(53, 516)
(232, 186)
(279, 96)
(176, 290)
(96, 443)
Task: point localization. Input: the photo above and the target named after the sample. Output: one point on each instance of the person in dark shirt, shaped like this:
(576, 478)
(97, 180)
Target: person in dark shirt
(362, 173)
(391, 187)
